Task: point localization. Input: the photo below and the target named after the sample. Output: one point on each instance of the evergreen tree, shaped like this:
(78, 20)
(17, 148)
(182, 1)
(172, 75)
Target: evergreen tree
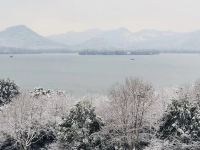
(78, 126)
(181, 121)
(8, 90)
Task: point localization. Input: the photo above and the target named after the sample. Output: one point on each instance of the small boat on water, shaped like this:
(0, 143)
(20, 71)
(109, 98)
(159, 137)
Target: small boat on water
(11, 56)
(132, 59)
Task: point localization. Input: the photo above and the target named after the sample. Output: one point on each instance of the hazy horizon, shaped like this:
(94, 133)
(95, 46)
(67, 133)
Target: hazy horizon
(100, 29)
(49, 17)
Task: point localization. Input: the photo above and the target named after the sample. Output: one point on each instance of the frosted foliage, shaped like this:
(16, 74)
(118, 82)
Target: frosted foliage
(8, 90)
(181, 121)
(130, 106)
(30, 115)
(78, 126)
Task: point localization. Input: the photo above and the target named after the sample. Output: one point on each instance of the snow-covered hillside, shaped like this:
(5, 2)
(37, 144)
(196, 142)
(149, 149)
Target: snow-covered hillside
(95, 39)
(22, 37)
(124, 39)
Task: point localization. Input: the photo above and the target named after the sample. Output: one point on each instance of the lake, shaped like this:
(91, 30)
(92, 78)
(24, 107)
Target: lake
(96, 74)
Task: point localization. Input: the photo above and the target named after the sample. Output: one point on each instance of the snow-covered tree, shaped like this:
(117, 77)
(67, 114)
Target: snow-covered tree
(76, 130)
(8, 90)
(130, 106)
(181, 121)
(27, 123)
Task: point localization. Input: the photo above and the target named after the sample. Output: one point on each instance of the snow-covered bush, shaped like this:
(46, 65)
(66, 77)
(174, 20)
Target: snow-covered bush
(39, 139)
(181, 122)
(41, 92)
(7, 142)
(8, 90)
(29, 121)
(78, 126)
(155, 144)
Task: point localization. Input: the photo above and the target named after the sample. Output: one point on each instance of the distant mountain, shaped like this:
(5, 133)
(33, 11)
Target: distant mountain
(20, 37)
(123, 39)
(95, 39)
(24, 38)
(76, 38)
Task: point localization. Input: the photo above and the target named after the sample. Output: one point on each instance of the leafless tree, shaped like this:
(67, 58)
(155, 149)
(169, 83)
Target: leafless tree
(130, 104)
(24, 118)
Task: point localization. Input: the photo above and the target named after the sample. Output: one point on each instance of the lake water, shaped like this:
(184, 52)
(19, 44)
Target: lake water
(83, 74)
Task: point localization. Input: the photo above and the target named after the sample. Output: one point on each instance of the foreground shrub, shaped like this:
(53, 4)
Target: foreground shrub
(8, 90)
(181, 122)
(76, 130)
(27, 123)
(8, 143)
(39, 139)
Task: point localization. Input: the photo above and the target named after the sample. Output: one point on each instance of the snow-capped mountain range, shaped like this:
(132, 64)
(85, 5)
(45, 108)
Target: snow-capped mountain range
(119, 39)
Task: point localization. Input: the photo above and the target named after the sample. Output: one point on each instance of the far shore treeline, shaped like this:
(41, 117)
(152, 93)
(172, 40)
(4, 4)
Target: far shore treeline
(13, 50)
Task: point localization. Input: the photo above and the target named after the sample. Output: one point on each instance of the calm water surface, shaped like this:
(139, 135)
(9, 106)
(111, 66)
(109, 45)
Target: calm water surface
(83, 74)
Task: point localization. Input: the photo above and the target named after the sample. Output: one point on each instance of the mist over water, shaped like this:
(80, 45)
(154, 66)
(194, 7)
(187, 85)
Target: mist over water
(96, 74)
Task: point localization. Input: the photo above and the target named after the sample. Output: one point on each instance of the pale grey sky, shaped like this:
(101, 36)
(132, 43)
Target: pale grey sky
(58, 16)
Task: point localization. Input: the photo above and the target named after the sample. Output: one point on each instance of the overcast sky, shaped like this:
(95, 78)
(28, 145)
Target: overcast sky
(58, 16)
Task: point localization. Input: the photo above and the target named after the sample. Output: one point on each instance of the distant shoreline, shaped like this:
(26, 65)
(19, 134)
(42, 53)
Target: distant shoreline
(139, 52)
(99, 52)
